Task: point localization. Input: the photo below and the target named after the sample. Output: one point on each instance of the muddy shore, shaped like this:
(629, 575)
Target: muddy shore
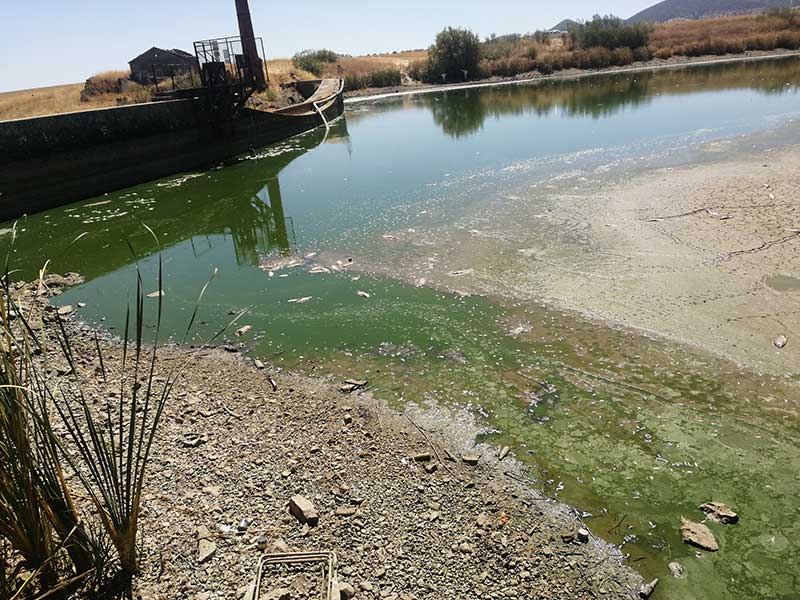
(410, 506)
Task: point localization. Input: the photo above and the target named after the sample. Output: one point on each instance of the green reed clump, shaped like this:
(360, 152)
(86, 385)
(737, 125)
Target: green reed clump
(51, 425)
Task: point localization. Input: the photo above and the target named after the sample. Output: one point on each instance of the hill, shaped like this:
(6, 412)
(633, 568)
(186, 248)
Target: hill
(669, 10)
(564, 25)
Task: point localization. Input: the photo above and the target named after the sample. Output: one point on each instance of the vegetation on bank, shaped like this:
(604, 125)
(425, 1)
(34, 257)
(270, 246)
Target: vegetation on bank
(76, 433)
(358, 73)
(603, 42)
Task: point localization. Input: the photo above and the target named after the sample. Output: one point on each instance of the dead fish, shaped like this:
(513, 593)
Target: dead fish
(318, 269)
(242, 330)
(310, 255)
(302, 300)
(156, 294)
(362, 294)
(460, 273)
(780, 341)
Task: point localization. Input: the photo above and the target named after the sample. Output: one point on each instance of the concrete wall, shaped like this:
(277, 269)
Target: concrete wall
(51, 161)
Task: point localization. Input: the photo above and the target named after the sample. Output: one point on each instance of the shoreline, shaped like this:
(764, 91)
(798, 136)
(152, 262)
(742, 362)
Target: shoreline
(406, 515)
(571, 74)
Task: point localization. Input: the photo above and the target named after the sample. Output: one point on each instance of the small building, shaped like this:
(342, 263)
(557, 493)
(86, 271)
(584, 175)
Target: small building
(161, 63)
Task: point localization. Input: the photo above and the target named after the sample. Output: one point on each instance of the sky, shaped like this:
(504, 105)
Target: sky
(50, 42)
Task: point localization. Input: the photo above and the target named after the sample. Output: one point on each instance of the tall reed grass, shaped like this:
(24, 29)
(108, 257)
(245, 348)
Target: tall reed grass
(54, 426)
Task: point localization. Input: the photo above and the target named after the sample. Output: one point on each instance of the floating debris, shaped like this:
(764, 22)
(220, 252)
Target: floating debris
(363, 294)
(317, 269)
(242, 330)
(302, 300)
(158, 294)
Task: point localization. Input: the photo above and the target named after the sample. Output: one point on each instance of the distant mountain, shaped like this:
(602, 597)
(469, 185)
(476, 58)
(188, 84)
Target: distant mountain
(699, 9)
(564, 25)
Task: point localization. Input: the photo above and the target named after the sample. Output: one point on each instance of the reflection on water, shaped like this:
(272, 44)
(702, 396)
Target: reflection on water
(463, 112)
(619, 425)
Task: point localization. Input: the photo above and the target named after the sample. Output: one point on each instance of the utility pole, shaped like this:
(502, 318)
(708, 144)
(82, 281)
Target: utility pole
(249, 44)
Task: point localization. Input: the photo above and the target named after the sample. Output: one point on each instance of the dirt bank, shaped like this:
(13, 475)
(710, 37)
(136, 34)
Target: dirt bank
(239, 439)
(413, 88)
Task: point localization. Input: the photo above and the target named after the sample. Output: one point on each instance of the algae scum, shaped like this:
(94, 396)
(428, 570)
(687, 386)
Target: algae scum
(632, 431)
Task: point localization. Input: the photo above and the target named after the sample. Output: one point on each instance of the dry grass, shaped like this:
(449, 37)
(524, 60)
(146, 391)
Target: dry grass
(46, 101)
(401, 60)
(725, 35)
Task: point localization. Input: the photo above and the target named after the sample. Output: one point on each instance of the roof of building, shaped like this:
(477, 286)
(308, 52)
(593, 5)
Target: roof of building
(175, 52)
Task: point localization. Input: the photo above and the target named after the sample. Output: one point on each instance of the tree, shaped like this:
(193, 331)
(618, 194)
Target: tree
(455, 51)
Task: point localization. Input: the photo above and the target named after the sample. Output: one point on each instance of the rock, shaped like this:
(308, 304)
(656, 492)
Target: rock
(280, 547)
(242, 526)
(483, 520)
(280, 594)
(647, 589)
(348, 418)
(261, 542)
(470, 459)
(205, 546)
(193, 440)
(504, 452)
(779, 342)
(66, 310)
(583, 535)
(346, 511)
(697, 534)
(366, 586)
(258, 364)
(719, 512)
(431, 467)
(343, 591)
(303, 510)
(422, 457)
(676, 569)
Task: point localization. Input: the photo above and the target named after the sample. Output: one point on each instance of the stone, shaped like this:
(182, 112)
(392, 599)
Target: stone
(366, 586)
(258, 364)
(343, 591)
(676, 569)
(280, 594)
(346, 511)
(647, 589)
(504, 452)
(348, 418)
(422, 457)
(280, 547)
(205, 546)
(431, 467)
(779, 342)
(66, 310)
(242, 526)
(470, 459)
(719, 512)
(583, 535)
(698, 535)
(303, 510)
(261, 542)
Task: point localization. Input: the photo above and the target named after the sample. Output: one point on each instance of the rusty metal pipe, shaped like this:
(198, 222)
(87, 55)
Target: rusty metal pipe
(249, 44)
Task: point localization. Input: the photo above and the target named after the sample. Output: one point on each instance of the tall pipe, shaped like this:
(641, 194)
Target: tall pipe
(249, 44)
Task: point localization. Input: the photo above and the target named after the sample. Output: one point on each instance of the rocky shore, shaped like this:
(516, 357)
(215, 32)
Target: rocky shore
(409, 513)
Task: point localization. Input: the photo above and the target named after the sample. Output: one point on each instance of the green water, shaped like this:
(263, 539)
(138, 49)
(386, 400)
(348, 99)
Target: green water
(632, 431)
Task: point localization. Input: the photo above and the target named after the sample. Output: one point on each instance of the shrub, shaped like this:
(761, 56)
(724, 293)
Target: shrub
(610, 32)
(621, 56)
(386, 78)
(455, 50)
(641, 54)
(314, 61)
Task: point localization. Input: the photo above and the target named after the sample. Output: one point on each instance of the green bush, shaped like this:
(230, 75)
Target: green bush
(383, 78)
(610, 32)
(455, 50)
(621, 56)
(314, 61)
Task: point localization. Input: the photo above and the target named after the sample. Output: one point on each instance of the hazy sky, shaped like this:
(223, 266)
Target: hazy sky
(47, 42)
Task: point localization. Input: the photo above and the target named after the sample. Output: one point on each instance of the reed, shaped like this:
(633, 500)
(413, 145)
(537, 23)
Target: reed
(47, 428)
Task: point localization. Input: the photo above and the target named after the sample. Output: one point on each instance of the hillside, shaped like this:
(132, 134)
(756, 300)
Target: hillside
(669, 10)
(564, 25)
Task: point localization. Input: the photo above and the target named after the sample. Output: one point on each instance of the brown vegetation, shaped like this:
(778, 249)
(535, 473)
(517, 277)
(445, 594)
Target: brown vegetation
(727, 35)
